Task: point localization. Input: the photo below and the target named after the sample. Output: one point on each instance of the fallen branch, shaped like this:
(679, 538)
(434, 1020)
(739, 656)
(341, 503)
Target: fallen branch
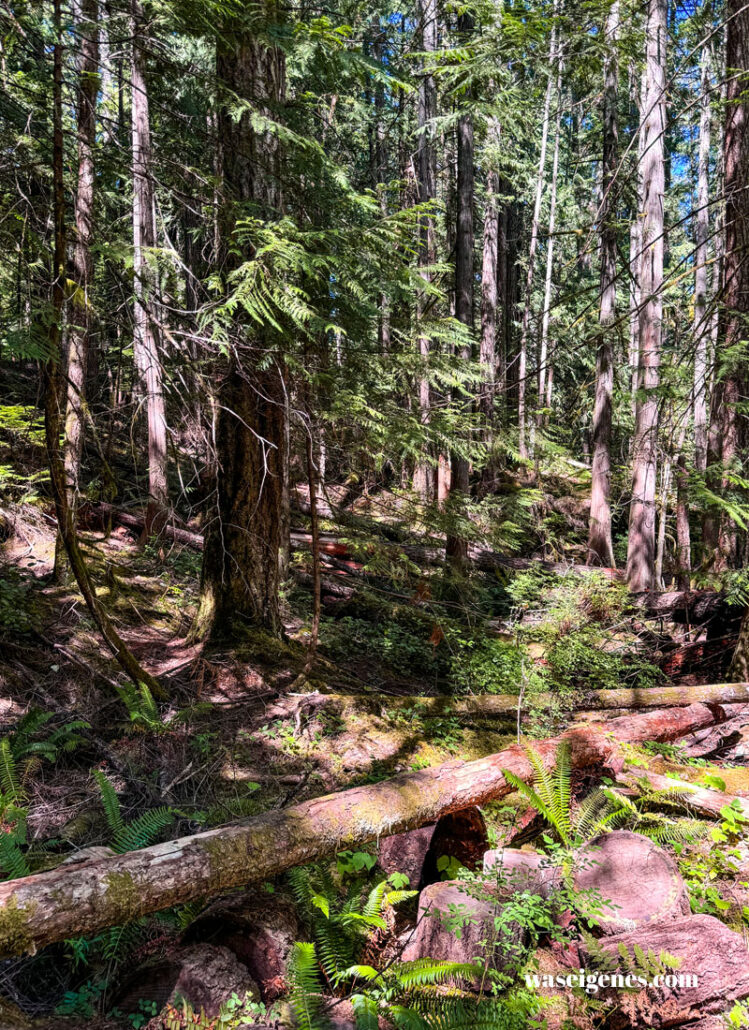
(503, 707)
(68, 901)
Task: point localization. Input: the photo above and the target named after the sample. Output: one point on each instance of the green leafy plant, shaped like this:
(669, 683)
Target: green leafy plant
(139, 832)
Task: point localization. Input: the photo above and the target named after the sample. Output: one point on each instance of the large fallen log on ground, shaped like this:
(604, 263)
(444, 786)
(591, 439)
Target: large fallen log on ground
(691, 607)
(498, 707)
(71, 900)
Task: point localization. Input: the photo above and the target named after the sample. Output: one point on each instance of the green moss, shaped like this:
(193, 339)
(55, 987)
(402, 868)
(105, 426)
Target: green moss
(15, 936)
(122, 894)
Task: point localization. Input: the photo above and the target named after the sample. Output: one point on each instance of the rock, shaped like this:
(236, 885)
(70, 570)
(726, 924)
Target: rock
(406, 853)
(204, 975)
(710, 952)
(461, 835)
(637, 881)
(259, 929)
(448, 904)
(522, 870)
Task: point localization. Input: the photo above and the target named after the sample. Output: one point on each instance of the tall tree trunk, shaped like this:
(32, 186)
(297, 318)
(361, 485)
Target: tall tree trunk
(54, 389)
(683, 537)
(711, 515)
(81, 314)
(241, 570)
(427, 189)
(731, 385)
(456, 545)
(641, 545)
(533, 247)
(146, 341)
(488, 344)
(544, 370)
(702, 233)
(600, 546)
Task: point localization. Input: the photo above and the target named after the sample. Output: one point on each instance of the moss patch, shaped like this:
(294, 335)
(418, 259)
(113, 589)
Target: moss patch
(122, 895)
(15, 936)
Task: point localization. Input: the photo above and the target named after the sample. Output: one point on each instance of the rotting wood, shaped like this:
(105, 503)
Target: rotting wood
(48, 907)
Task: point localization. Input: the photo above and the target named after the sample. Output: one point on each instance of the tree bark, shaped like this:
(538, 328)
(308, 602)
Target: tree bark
(72, 900)
(241, 558)
(456, 545)
(702, 234)
(503, 707)
(488, 344)
(600, 545)
(544, 366)
(427, 190)
(641, 544)
(533, 247)
(54, 390)
(683, 534)
(731, 386)
(81, 310)
(146, 335)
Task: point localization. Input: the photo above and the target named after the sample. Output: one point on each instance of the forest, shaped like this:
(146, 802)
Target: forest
(374, 514)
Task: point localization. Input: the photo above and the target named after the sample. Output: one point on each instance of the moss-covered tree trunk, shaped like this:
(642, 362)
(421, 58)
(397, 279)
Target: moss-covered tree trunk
(73, 900)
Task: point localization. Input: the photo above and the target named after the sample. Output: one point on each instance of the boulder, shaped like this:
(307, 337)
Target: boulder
(454, 926)
(406, 853)
(461, 835)
(637, 882)
(522, 870)
(714, 956)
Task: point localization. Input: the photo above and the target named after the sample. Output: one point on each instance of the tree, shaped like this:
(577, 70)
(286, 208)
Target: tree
(641, 544)
(457, 546)
(82, 306)
(600, 545)
(731, 377)
(427, 191)
(146, 349)
(241, 573)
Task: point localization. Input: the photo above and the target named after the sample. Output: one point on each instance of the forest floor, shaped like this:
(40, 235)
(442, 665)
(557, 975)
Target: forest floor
(245, 731)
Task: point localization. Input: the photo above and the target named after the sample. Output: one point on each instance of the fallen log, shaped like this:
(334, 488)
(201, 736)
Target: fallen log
(499, 707)
(703, 800)
(65, 902)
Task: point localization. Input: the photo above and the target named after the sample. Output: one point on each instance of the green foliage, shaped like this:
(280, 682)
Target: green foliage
(143, 710)
(234, 1014)
(21, 754)
(341, 911)
(137, 833)
(486, 665)
(17, 607)
(550, 793)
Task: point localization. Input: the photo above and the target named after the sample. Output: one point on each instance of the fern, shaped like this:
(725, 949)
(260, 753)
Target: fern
(9, 781)
(141, 831)
(110, 802)
(550, 794)
(12, 859)
(306, 991)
